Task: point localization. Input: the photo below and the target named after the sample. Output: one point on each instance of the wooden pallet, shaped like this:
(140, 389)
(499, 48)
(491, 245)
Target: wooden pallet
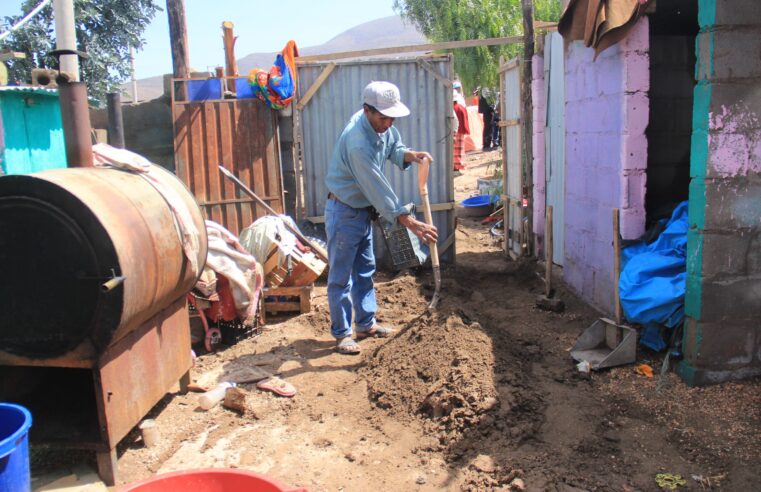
(299, 300)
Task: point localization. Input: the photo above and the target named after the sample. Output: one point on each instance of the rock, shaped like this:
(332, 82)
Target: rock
(517, 484)
(350, 457)
(484, 463)
(289, 365)
(421, 480)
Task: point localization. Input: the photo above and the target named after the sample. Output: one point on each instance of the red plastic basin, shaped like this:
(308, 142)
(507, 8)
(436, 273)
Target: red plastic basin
(210, 480)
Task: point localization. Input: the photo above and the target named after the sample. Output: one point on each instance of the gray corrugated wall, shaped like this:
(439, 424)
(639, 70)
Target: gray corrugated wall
(513, 142)
(428, 127)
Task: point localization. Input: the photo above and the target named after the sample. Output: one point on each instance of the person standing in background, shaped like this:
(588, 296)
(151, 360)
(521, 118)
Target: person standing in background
(461, 125)
(488, 113)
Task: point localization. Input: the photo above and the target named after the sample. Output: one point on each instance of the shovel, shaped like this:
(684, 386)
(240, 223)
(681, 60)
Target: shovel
(422, 173)
(608, 343)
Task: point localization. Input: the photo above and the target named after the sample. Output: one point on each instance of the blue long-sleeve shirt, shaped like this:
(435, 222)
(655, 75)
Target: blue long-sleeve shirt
(356, 170)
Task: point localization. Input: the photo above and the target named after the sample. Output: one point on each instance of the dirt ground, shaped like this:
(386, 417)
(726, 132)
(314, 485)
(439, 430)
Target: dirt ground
(481, 394)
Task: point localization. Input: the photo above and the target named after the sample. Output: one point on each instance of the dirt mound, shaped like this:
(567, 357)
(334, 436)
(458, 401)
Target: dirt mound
(438, 369)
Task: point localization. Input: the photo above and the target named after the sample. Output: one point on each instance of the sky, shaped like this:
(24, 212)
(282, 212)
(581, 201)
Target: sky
(260, 27)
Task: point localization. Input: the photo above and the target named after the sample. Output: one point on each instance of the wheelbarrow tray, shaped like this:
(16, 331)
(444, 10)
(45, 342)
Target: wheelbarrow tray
(606, 344)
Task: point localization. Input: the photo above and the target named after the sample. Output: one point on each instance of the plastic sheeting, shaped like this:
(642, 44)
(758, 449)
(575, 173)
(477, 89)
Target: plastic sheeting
(653, 279)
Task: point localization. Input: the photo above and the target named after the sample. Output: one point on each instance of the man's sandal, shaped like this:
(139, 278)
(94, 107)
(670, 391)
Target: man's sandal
(348, 346)
(376, 331)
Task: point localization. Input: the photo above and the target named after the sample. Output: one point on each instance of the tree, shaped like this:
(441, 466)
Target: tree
(105, 30)
(456, 20)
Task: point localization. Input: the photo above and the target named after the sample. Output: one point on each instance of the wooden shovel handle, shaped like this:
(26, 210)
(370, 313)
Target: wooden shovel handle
(423, 168)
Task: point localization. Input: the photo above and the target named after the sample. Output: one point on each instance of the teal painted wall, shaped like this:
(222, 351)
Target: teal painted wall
(32, 132)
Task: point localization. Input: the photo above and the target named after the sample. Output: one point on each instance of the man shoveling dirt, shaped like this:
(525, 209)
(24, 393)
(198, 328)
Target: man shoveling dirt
(358, 188)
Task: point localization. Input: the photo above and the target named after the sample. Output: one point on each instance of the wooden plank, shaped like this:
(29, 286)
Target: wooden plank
(211, 155)
(233, 201)
(226, 145)
(195, 161)
(425, 65)
(436, 207)
(513, 122)
(528, 123)
(510, 64)
(468, 43)
(315, 85)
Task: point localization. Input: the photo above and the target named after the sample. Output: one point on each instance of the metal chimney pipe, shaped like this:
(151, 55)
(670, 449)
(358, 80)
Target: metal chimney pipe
(75, 115)
(66, 37)
(115, 120)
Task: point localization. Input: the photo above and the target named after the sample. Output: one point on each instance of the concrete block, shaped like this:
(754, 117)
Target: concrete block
(693, 301)
(633, 190)
(634, 152)
(638, 38)
(632, 223)
(732, 255)
(637, 113)
(730, 300)
(738, 13)
(537, 67)
(636, 72)
(733, 52)
(730, 154)
(726, 345)
(610, 115)
(704, 56)
(572, 274)
(732, 204)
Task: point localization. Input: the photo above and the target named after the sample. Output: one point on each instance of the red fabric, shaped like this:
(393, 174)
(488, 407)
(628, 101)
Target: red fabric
(459, 150)
(462, 118)
(476, 125)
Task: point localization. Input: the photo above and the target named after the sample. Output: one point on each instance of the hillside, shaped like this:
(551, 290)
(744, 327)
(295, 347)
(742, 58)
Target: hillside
(380, 33)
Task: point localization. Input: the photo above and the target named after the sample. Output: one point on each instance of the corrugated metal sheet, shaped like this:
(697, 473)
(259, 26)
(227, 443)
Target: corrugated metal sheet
(554, 135)
(239, 134)
(513, 156)
(43, 91)
(422, 83)
(31, 130)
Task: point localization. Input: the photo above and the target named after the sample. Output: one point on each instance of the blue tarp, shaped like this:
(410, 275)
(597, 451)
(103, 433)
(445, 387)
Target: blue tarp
(654, 278)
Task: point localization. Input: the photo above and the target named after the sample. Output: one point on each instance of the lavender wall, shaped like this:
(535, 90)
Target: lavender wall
(607, 112)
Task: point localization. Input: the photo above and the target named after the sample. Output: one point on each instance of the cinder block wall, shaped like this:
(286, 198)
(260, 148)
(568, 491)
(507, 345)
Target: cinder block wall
(539, 116)
(722, 338)
(606, 111)
(147, 129)
(672, 68)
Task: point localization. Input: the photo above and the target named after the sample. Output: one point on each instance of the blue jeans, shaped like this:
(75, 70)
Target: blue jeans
(352, 265)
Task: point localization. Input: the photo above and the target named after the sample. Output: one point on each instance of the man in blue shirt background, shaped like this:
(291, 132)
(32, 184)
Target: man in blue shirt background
(356, 183)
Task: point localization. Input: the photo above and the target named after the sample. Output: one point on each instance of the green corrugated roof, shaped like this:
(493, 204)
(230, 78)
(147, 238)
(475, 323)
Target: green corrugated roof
(28, 89)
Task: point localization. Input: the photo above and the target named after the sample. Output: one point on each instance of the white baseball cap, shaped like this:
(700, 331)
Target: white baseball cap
(384, 96)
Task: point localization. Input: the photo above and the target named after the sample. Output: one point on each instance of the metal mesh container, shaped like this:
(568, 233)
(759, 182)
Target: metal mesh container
(404, 247)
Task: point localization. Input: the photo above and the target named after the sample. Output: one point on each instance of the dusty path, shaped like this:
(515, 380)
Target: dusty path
(470, 397)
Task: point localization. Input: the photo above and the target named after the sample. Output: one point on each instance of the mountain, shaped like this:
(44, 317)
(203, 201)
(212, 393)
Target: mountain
(380, 33)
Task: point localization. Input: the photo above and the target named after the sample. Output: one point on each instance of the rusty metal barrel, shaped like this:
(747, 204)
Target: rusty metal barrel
(87, 255)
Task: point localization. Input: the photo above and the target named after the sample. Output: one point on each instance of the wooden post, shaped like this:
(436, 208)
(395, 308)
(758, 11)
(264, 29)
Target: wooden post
(231, 65)
(178, 39)
(528, 127)
(617, 264)
(548, 252)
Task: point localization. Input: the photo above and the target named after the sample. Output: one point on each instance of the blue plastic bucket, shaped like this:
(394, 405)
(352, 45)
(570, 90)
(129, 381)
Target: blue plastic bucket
(15, 422)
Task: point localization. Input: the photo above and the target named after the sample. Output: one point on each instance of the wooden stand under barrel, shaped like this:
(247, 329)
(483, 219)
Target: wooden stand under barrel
(83, 401)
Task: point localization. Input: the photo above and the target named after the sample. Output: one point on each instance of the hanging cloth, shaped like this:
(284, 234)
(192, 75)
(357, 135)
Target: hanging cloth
(277, 86)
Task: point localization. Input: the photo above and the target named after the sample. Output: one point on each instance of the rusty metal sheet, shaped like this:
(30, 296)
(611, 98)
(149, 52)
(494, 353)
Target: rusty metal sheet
(241, 135)
(136, 372)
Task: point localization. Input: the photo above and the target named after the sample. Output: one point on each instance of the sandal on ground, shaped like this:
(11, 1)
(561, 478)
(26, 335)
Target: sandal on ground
(376, 331)
(278, 386)
(348, 346)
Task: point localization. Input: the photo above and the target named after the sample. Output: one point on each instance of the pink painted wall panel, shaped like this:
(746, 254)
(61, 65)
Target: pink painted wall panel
(607, 111)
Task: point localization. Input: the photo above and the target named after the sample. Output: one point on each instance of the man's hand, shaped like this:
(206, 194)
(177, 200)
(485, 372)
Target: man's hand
(416, 156)
(427, 233)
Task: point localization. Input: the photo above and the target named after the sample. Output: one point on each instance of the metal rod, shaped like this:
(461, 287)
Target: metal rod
(112, 284)
(318, 250)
